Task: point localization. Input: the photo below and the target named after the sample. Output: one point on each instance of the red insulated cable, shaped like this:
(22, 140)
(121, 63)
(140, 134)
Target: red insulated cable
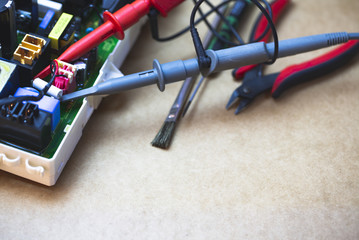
(115, 24)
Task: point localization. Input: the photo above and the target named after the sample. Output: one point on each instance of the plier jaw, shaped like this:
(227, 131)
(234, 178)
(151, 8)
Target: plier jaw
(238, 97)
(254, 83)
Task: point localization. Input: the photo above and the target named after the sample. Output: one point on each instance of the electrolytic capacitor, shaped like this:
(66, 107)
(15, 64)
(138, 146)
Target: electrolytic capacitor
(7, 28)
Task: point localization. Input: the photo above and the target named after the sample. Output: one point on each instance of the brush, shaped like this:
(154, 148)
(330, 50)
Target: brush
(165, 134)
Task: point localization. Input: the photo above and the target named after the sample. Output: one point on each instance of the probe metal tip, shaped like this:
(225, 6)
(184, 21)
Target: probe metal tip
(186, 108)
(193, 95)
(78, 94)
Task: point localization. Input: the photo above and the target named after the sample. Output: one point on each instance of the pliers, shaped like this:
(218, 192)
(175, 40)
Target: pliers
(254, 82)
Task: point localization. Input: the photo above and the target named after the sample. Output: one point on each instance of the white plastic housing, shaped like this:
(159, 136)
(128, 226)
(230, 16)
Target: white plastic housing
(44, 170)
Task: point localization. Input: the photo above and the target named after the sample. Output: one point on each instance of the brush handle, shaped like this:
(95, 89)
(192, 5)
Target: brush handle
(181, 98)
(178, 105)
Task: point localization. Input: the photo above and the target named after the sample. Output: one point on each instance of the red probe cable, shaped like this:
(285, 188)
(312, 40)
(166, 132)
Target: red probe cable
(115, 24)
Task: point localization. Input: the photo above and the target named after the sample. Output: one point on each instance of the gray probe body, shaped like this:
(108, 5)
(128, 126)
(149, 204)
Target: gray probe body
(224, 59)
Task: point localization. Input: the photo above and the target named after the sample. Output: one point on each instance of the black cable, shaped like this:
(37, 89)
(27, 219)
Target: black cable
(264, 33)
(226, 22)
(41, 93)
(10, 100)
(203, 59)
(53, 68)
(274, 31)
(154, 24)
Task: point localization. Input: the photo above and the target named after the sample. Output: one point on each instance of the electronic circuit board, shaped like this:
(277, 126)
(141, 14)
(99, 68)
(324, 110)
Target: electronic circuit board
(71, 109)
(45, 164)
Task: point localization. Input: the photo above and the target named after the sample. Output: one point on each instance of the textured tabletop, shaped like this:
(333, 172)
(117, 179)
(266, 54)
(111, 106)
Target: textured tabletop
(282, 169)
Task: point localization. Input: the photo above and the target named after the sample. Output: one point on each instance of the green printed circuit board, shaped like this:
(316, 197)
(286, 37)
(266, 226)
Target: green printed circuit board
(70, 109)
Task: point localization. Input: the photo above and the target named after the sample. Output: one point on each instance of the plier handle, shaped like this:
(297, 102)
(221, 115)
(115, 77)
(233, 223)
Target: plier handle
(254, 83)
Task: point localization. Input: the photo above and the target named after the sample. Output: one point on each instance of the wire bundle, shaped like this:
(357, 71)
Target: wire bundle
(266, 11)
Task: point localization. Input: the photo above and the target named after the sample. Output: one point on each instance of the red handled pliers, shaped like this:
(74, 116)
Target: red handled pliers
(255, 83)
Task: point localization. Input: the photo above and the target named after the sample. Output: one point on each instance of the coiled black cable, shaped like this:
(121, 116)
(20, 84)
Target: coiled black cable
(154, 23)
(226, 22)
(204, 61)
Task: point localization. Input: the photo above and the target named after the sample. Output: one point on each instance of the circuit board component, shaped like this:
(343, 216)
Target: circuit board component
(32, 54)
(9, 79)
(29, 49)
(25, 125)
(8, 28)
(59, 30)
(67, 79)
(46, 103)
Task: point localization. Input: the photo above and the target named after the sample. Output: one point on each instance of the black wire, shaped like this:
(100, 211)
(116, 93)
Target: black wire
(274, 31)
(226, 22)
(155, 35)
(199, 46)
(10, 100)
(234, 32)
(184, 30)
(203, 60)
(41, 93)
(264, 33)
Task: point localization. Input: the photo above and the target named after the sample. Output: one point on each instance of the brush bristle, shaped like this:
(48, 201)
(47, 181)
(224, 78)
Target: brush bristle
(164, 136)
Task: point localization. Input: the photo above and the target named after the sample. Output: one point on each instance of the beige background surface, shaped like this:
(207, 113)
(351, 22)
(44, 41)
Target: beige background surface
(284, 169)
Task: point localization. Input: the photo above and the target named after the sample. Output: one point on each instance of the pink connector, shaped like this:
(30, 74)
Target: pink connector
(67, 82)
(64, 84)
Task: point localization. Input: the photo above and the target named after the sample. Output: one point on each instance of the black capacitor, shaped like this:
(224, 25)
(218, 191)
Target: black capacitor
(27, 15)
(8, 38)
